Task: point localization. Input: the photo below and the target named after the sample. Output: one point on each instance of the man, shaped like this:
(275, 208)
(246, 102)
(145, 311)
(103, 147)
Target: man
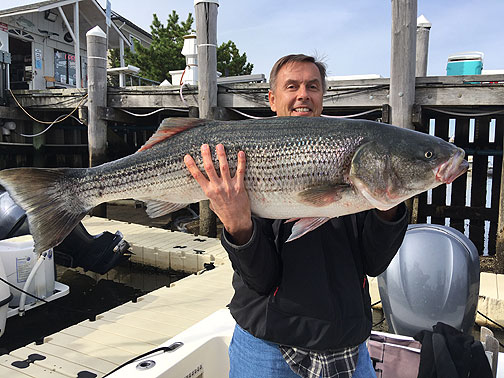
(302, 307)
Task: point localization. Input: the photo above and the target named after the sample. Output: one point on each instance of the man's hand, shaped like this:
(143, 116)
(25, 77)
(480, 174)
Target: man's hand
(228, 197)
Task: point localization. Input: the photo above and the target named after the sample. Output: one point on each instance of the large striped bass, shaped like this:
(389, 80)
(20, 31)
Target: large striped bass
(297, 167)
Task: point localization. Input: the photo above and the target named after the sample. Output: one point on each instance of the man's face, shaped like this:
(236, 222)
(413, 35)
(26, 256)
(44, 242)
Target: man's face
(298, 91)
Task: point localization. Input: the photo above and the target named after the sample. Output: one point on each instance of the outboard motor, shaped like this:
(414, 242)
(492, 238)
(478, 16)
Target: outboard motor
(97, 253)
(433, 278)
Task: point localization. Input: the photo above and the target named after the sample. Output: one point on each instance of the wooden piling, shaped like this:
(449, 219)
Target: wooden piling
(402, 65)
(97, 100)
(97, 95)
(206, 31)
(499, 247)
(422, 45)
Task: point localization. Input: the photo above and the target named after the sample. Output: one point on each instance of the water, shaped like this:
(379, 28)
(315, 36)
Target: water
(90, 294)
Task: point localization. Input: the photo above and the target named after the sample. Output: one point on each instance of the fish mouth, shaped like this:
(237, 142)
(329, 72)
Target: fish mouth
(452, 168)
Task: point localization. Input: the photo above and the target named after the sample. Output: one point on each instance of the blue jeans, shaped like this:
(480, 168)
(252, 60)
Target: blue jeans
(251, 357)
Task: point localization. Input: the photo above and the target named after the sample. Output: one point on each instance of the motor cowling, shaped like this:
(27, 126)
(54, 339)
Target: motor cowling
(433, 278)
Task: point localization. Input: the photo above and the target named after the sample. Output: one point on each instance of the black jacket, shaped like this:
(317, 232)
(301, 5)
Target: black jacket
(312, 292)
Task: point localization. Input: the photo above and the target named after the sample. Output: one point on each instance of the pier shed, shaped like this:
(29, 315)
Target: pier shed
(44, 50)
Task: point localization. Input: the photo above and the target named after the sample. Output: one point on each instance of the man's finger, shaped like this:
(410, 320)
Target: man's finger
(194, 170)
(208, 163)
(223, 163)
(240, 168)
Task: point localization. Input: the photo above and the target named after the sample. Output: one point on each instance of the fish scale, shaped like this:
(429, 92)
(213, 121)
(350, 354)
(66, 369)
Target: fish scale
(296, 167)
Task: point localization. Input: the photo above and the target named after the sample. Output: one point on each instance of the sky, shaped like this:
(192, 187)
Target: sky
(352, 37)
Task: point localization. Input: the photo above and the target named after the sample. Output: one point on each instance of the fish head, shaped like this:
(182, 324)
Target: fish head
(393, 167)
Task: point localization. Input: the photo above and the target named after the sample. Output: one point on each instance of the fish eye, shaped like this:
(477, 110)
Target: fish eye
(428, 154)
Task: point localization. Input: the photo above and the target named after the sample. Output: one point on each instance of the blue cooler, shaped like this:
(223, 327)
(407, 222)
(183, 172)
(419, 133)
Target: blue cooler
(470, 63)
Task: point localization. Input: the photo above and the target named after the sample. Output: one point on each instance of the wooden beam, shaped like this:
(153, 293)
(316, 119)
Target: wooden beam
(16, 114)
(460, 96)
(459, 212)
(430, 91)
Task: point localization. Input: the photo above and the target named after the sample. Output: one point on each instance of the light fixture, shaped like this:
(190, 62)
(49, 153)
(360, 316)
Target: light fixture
(50, 16)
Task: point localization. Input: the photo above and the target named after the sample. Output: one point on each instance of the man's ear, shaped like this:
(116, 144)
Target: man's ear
(271, 98)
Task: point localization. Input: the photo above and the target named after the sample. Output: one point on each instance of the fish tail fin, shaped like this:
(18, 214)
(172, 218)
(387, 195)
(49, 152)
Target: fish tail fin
(52, 209)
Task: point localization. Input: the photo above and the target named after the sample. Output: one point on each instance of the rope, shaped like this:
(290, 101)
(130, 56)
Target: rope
(48, 127)
(248, 115)
(464, 114)
(153, 112)
(353, 115)
(322, 115)
(47, 122)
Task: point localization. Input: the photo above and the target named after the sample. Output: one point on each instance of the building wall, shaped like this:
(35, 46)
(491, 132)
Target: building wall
(45, 37)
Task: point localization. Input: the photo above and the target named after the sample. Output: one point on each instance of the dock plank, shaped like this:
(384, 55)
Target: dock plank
(105, 352)
(488, 285)
(11, 372)
(71, 355)
(54, 363)
(149, 335)
(166, 328)
(32, 370)
(129, 345)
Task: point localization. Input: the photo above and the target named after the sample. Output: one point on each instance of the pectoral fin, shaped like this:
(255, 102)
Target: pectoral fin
(322, 195)
(159, 208)
(305, 225)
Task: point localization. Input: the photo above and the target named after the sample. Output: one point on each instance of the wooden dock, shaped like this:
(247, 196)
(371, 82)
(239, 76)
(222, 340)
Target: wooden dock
(92, 349)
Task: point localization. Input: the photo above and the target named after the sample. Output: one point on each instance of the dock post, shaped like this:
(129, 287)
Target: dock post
(422, 45)
(206, 32)
(97, 100)
(402, 64)
(402, 67)
(499, 247)
(97, 95)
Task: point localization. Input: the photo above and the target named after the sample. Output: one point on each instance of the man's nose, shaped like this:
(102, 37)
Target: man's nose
(302, 92)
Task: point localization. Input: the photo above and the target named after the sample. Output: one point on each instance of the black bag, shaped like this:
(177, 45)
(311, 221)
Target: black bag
(450, 353)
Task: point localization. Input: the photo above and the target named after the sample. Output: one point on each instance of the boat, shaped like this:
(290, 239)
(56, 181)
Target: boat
(425, 264)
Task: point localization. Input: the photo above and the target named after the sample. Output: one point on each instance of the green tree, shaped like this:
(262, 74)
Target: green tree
(164, 53)
(230, 62)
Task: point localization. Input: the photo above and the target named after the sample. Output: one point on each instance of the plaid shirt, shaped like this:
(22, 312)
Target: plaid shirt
(340, 363)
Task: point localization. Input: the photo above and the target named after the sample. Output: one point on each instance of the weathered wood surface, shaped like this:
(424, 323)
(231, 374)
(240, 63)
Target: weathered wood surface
(206, 31)
(97, 90)
(422, 49)
(470, 205)
(430, 91)
(402, 66)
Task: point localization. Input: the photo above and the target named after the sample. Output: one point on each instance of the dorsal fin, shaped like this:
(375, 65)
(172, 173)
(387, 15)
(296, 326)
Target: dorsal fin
(169, 127)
